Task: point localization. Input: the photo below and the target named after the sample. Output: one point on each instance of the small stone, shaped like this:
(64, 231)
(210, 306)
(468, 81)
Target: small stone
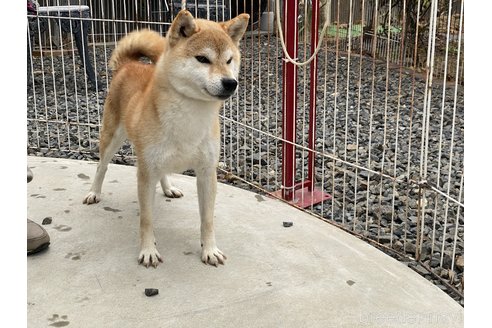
(151, 291)
(420, 269)
(385, 239)
(351, 147)
(451, 275)
(256, 159)
(47, 220)
(435, 262)
(447, 260)
(398, 232)
(410, 248)
(460, 262)
(288, 224)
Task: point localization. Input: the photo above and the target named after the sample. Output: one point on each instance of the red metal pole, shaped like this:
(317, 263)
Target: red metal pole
(289, 100)
(312, 92)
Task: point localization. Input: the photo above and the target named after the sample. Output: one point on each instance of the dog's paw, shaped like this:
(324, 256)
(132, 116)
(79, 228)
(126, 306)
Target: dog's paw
(92, 198)
(213, 256)
(173, 192)
(149, 256)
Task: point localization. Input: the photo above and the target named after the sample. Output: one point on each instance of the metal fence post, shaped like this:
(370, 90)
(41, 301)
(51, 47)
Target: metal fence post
(289, 101)
(312, 92)
(303, 193)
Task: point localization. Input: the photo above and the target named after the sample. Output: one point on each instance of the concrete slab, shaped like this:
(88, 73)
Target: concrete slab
(309, 275)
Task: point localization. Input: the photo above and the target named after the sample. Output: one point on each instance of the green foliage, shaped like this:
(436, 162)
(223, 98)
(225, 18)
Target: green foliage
(343, 32)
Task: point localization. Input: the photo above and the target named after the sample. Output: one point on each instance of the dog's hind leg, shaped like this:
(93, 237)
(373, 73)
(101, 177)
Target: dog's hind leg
(168, 189)
(111, 140)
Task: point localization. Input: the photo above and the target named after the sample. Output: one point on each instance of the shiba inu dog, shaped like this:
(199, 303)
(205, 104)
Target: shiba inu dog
(169, 111)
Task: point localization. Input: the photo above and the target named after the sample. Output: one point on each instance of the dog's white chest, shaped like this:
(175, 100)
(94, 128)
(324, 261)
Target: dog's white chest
(185, 142)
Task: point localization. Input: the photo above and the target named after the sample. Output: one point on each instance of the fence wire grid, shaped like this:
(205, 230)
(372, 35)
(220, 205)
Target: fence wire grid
(389, 127)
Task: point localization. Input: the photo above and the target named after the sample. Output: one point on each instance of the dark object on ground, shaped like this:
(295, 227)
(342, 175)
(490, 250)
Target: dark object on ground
(37, 238)
(288, 224)
(47, 220)
(151, 291)
(29, 175)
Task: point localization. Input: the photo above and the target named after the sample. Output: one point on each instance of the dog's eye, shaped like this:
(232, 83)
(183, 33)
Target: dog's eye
(229, 61)
(203, 59)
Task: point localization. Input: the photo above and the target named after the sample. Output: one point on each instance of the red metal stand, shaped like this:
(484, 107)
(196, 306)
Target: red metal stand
(289, 100)
(302, 194)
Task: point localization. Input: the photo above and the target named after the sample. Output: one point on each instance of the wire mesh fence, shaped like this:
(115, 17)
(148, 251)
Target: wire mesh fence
(388, 137)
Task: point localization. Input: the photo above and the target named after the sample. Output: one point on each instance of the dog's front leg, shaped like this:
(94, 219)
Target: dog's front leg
(146, 192)
(207, 188)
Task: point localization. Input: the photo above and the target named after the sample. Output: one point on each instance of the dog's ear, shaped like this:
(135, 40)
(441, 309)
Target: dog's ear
(236, 27)
(183, 26)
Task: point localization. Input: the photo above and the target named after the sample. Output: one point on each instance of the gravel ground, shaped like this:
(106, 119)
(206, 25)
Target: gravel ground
(367, 115)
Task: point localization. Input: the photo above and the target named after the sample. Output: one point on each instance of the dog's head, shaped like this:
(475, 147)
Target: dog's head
(202, 57)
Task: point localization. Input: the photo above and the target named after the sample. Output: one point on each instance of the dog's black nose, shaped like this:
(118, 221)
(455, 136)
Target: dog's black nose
(229, 85)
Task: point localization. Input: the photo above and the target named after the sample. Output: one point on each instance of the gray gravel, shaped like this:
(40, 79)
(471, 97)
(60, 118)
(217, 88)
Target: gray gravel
(377, 125)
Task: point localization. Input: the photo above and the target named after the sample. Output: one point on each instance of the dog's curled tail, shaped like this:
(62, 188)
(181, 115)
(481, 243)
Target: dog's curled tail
(136, 44)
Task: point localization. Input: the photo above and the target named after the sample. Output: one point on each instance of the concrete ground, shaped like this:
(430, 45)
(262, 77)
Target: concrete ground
(309, 275)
